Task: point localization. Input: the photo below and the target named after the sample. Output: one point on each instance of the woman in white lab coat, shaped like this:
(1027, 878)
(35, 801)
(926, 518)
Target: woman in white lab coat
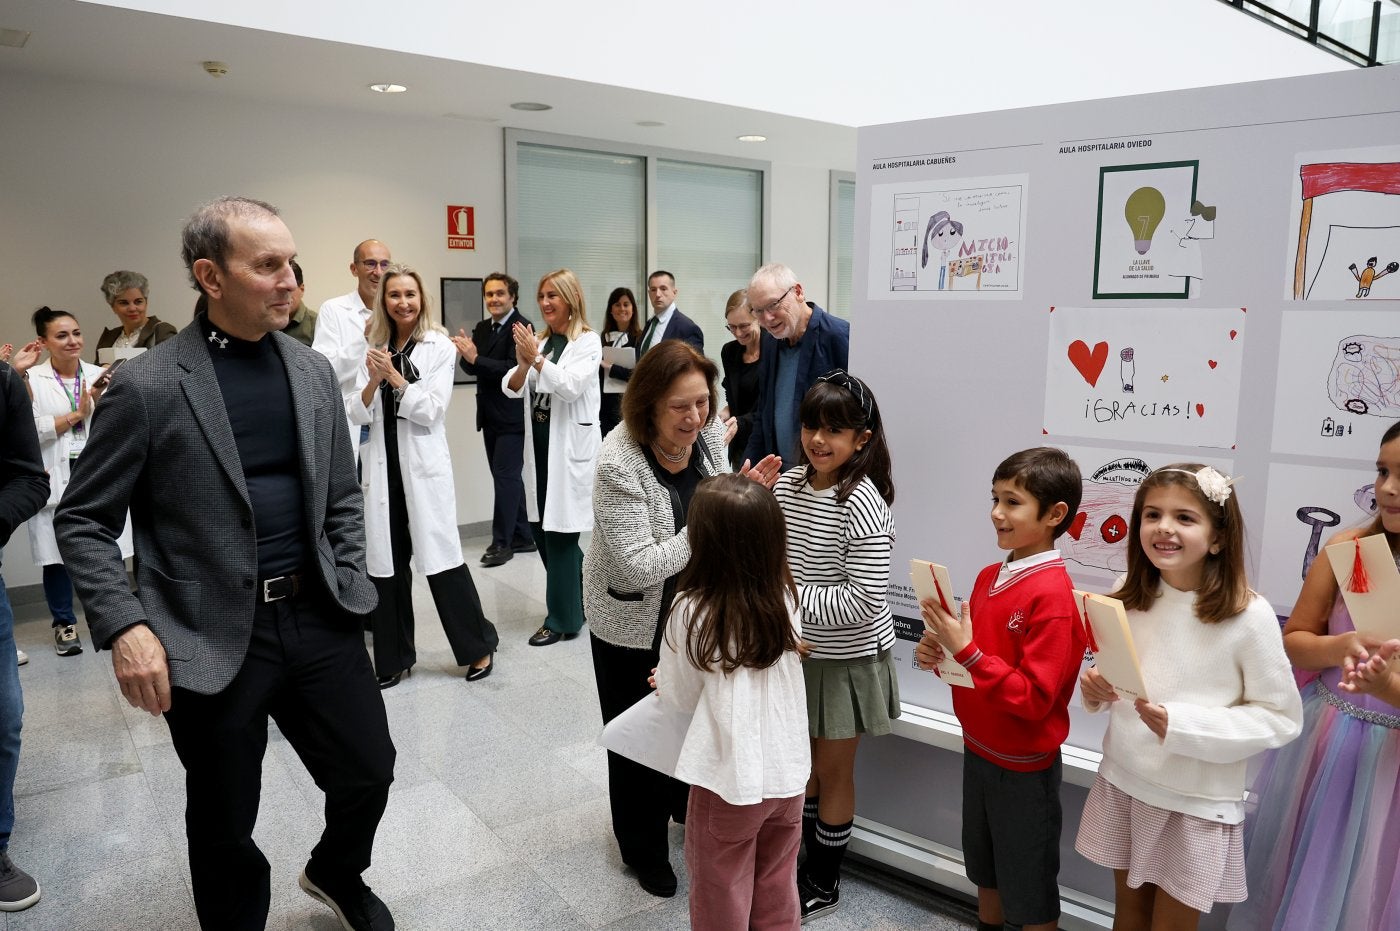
(410, 501)
(65, 391)
(556, 375)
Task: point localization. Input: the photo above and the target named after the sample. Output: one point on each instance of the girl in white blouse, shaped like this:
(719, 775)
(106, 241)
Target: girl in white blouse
(730, 657)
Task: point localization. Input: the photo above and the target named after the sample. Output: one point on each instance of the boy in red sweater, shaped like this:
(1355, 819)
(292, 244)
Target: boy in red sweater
(1020, 637)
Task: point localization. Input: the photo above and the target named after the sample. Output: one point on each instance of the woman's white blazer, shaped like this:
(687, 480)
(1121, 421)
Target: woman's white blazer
(574, 436)
(424, 463)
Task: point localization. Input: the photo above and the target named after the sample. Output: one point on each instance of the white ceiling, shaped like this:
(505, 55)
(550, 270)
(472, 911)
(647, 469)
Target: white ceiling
(803, 74)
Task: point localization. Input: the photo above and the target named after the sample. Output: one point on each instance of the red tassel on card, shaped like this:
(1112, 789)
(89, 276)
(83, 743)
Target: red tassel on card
(1360, 581)
(1089, 628)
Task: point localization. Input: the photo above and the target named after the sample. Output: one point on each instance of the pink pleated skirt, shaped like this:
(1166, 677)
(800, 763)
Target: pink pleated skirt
(1195, 861)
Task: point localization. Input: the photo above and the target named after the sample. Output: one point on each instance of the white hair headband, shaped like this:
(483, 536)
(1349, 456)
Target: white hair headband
(1214, 485)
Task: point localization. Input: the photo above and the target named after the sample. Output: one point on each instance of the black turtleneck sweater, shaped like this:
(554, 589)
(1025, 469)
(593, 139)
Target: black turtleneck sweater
(258, 398)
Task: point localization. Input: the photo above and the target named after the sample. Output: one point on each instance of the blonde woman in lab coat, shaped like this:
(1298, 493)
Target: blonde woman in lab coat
(410, 501)
(556, 378)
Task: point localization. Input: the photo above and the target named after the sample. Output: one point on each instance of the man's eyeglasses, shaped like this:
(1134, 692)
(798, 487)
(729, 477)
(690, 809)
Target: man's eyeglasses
(762, 311)
(371, 264)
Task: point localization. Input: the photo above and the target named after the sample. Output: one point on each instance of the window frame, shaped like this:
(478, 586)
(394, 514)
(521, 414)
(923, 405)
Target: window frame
(837, 178)
(649, 155)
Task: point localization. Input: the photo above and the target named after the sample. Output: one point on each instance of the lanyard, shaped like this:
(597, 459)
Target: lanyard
(78, 441)
(77, 392)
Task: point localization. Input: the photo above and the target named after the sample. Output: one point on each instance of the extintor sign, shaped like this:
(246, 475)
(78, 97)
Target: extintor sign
(461, 227)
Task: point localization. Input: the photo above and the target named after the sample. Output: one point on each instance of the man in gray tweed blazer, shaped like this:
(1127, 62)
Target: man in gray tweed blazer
(229, 446)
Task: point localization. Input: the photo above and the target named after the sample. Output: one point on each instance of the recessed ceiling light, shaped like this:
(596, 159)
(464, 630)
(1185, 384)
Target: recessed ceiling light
(13, 38)
(753, 138)
(650, 124)
(530, 106)
(388, 88)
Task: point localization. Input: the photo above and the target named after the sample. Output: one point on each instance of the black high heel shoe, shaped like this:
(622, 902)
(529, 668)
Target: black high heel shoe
(477, 673)
(388, 682)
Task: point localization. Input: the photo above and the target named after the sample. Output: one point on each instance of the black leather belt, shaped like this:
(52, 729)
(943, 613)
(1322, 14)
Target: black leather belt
(284, 586)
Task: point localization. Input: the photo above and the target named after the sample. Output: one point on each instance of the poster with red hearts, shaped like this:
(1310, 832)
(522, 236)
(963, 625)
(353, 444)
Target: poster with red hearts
(1145, 375)
(1097, 540)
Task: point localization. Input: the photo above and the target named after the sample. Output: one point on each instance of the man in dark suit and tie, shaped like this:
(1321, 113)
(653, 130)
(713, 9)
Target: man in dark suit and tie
(667, 321)
(229, 446)
(488, 354)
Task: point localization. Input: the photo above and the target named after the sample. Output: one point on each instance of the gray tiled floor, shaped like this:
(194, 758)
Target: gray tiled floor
(498, 817)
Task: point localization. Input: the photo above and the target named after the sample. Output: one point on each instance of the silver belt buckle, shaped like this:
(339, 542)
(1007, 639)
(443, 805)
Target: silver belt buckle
(268, 596)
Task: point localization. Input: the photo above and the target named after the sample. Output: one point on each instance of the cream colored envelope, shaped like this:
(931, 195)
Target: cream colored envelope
(1111, 641)
(1375, 611)
(931, 581)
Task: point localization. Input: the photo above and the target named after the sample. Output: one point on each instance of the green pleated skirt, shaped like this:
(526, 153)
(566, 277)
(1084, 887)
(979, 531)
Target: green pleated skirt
(849, 697)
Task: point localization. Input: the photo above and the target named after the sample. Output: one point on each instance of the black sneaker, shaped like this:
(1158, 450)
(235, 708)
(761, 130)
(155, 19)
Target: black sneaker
(354, 904)
(18, 890)
(815, 900)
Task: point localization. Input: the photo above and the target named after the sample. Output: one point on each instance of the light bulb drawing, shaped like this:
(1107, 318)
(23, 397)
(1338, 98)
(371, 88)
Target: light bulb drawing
(1144, 210)
(1127, 369)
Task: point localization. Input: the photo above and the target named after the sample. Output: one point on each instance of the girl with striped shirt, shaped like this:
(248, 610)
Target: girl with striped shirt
(840, 536)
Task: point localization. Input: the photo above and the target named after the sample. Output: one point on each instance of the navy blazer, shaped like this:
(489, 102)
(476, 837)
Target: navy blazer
(495, 355)
(163, 447)
(825, 345)
(683, 328)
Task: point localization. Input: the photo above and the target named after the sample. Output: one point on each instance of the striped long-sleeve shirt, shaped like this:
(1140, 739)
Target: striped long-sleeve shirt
(840, 558)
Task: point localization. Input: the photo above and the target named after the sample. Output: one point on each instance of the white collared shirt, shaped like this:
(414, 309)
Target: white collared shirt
(1013, 567)
(663, 320)
(505, 320)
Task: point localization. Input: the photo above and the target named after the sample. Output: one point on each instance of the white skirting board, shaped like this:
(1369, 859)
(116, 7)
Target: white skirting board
(943, 867)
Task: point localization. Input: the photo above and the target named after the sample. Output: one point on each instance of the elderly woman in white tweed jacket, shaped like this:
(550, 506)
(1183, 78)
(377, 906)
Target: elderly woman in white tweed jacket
(648, 468)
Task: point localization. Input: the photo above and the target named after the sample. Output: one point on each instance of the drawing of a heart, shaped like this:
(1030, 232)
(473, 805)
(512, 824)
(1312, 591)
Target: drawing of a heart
(1211, 362)
(1200, 410)
(1076, 526)
(1089, 362)
(1234, 333)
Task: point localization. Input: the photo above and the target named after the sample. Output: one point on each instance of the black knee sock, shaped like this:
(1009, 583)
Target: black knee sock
(809, 823)
(988, 926)
(825, 855)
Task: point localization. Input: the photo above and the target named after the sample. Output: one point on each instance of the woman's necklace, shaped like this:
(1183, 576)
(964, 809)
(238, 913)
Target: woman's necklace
(667, 456)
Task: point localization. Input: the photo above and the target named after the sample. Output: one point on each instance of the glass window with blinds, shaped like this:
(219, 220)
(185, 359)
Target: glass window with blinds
(614, 216)
(843, 235)
(710, 236)
(580, 210)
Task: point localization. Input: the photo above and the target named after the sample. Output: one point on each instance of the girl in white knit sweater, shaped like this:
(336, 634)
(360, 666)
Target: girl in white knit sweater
(1166, 812)
(730, 657)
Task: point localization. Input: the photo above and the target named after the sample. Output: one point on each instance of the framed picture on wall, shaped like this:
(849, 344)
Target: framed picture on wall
(1150, 225)
(462, 309)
